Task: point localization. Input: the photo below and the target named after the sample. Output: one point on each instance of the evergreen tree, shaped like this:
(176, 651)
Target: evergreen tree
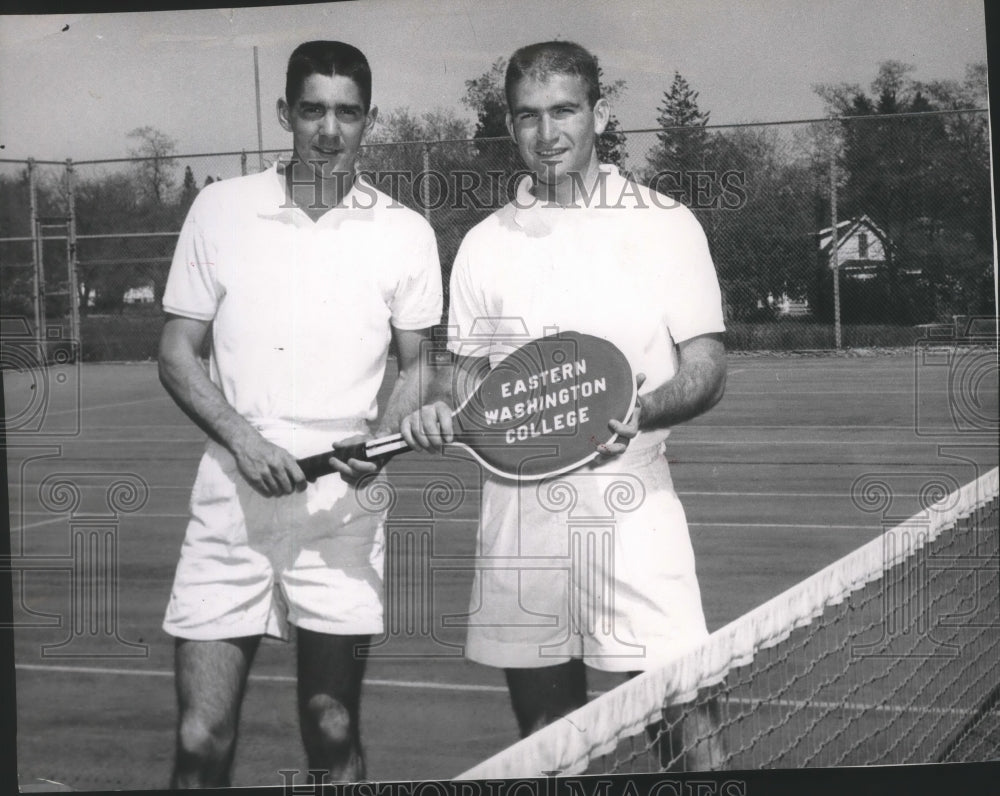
(189, 190)
(611, 144)
(485, 96)
(680, 150)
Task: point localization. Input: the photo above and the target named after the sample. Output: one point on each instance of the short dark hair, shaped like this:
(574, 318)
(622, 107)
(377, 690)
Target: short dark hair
(328, 58)
(540, 60)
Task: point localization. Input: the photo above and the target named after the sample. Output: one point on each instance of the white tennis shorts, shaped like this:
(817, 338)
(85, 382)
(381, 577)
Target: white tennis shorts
(596, 564)
(251, 564)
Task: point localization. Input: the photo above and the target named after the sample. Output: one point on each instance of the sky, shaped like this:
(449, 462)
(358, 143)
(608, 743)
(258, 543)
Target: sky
(74, 85)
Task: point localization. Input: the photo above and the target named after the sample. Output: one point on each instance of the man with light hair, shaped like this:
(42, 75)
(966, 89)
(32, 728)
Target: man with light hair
(583, 248)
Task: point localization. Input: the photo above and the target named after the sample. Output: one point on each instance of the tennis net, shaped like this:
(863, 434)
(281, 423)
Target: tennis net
(890, 655)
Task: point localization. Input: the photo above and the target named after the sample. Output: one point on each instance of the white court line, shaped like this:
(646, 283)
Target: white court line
(40, 523)
(82, 487)
(784, 392)
(797, 427)
(82, 409)
(784, 494)
(793, 525)
(137, 441)
(812, 442)
(266, 678)
(702, 425)
(475, 488)
(855, 706)
(671, 443)
(33, 512)
(184, 516)
(499, 689)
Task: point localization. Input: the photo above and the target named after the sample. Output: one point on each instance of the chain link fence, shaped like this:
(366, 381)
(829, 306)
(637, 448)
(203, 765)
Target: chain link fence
(854, 232)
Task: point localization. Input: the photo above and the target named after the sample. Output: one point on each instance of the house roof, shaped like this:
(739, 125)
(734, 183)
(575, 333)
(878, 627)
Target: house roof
(847, 228)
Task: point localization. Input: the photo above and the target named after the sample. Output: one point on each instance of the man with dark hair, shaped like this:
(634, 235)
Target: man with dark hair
(583, 248)
(301, 275)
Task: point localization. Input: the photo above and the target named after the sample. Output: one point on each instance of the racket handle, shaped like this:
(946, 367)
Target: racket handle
(378, 451)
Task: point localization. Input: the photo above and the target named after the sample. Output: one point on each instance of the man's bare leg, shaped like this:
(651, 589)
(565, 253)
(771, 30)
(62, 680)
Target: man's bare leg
(331, 669)
(540, 696)
(210, 679)
(688, 738)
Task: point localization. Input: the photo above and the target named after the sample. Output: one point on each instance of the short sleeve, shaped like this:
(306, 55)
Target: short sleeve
(466, 310)
(417, 300)
(192, 289)
(693, 300)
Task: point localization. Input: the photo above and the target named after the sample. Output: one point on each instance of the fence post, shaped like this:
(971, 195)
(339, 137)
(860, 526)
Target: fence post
(834, 254)
(37, 280)
(260, 134)
(71, 264)
(425, 190)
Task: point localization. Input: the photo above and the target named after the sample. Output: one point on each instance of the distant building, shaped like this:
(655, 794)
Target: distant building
(787, 307)
(139, 295)
(862, 248)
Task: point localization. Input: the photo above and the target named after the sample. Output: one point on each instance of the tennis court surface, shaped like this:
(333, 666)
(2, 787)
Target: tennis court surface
(804, 461)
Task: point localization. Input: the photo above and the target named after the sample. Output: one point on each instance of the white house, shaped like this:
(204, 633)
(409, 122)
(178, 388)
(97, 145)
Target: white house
(862, 247)
(785, 305)
(139, 295)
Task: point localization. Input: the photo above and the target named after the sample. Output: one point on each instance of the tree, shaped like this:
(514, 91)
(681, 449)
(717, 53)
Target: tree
(16, 257)
(107, 204)
(189, 190)
(923, 180)
(399, 152)
(966, 158)
(757, 209)
(124, 202)
(485, 96)
(683, 141)
(156, 152)
(17, 287)
(393, 155)
(611, 143)
(400, 125)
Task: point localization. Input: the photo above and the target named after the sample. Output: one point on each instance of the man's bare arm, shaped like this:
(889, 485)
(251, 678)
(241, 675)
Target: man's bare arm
(405, 397)
(450, 384)
(269, 469)
(411, 386)
(699, 384)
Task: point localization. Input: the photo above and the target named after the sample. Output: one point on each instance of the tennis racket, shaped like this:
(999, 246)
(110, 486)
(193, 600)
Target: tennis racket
(543, 410)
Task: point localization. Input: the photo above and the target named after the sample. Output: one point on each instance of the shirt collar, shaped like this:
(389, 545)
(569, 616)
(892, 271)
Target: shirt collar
(530, 212)
(357, 205)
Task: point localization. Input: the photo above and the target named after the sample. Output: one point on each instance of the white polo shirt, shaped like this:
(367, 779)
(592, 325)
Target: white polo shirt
(627, 265)
(301, 310)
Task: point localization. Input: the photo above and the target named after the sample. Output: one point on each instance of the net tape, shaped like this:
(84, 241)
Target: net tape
(568, 745)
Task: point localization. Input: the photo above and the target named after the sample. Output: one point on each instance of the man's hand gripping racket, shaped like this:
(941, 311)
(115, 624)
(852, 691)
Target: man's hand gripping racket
(543, 410)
